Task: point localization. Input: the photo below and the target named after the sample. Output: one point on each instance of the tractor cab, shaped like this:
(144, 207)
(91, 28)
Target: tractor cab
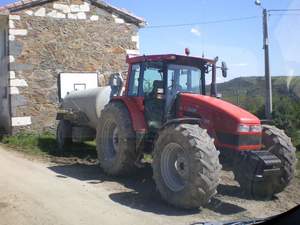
(158, 80)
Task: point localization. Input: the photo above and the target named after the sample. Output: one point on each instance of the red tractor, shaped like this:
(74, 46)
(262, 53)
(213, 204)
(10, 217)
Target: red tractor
(167, 110)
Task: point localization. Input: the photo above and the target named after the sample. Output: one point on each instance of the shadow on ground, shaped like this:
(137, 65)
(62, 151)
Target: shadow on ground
(79, 161)
(237, 192)
(139, 190)
(224, 208)
(86, 150)
(231, 190)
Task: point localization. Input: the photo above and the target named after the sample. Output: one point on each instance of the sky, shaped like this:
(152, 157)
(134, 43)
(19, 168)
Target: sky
(238, 43)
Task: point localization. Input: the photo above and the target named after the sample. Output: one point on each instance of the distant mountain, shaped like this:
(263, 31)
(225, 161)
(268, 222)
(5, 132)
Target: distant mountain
(249, 92)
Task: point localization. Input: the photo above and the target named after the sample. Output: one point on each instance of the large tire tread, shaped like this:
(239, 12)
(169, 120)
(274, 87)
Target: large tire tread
(63, 135)
(285, 151)
(205, 172)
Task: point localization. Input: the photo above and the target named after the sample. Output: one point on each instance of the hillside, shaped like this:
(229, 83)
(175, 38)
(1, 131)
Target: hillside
(249, 92)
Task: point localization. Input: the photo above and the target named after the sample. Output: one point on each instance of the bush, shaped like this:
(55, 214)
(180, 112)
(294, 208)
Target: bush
(286, 116)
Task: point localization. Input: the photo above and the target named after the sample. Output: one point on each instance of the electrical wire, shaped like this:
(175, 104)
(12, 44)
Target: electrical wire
(202, 23)
(225, 20)
(282, 10)
(284, 14)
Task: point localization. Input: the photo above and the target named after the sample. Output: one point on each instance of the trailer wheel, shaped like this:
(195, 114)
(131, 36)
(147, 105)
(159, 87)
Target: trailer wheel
(278, 143)
(186, 166)
(63, 134)
(116, 140)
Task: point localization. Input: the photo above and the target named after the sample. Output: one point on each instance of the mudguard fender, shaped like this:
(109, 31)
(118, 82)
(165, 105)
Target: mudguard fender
(137, 115)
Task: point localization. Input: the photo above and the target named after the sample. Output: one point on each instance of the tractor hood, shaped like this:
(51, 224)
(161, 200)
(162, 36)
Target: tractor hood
(215, 112)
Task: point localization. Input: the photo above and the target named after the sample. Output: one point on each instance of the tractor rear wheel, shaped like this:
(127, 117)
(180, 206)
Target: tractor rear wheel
(186, 166)
(116, 140)
(278, 143)
(63, 134)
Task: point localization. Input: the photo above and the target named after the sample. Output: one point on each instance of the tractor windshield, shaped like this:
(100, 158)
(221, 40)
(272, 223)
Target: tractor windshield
(182, 78)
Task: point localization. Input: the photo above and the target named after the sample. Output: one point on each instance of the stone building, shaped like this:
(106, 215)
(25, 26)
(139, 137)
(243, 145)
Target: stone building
(39, 39)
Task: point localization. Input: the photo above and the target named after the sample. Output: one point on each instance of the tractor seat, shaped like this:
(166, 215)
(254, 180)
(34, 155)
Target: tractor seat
(157, 84)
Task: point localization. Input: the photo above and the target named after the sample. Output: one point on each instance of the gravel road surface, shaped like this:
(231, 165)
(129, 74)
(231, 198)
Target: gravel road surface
(73, 191)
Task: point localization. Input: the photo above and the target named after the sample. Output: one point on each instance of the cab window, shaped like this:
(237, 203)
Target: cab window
(134, 80)
(152, 72)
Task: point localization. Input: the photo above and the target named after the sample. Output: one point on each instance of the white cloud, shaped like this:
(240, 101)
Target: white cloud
(196, 31)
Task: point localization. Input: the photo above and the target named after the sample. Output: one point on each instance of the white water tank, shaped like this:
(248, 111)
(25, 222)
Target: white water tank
(90, 102)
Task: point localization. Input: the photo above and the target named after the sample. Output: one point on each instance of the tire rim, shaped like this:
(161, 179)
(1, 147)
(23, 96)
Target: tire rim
(174, 167)
(111, 143)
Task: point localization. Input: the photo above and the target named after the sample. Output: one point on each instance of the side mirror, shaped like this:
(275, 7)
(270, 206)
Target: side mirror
(116, 84)
(224, 69)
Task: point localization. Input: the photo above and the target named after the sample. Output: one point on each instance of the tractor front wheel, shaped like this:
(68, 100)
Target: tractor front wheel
(186, 166)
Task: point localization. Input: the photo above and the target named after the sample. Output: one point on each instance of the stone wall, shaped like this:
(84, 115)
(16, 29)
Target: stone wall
(61, 36)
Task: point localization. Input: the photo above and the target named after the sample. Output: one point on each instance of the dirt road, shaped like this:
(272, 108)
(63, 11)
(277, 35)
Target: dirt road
(34, 192)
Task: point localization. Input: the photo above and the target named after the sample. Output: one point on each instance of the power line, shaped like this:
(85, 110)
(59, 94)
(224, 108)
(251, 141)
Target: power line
(202, 23)
(223, 20)
(285, 14)
(282, 10)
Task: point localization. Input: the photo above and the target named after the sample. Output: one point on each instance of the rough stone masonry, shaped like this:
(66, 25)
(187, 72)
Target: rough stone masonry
(61, 36)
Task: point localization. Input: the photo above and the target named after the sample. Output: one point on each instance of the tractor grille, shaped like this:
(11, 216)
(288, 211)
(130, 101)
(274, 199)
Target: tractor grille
(238, 140)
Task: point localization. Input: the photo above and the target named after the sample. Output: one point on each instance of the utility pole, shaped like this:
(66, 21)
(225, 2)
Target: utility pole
(268, 79)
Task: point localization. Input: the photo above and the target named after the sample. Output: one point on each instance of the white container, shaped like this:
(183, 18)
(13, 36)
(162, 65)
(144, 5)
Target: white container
(91, 102)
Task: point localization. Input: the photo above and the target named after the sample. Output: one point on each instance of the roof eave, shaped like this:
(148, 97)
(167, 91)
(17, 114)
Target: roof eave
(140, 22)
(19, 5)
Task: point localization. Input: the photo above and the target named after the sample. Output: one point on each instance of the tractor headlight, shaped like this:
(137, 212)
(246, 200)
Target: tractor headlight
(243, 128)
(249, 128)
(255, 128)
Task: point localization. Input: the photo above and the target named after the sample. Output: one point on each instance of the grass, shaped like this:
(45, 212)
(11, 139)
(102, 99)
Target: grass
(44, 144)
(40, 144)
